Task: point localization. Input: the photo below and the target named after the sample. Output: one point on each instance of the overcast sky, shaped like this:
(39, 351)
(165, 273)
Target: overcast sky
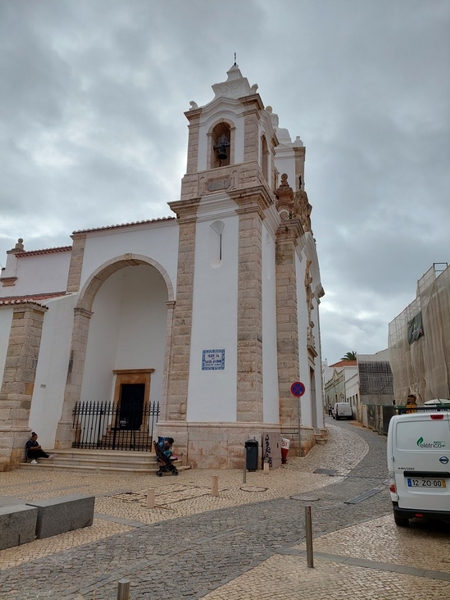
(92, 130)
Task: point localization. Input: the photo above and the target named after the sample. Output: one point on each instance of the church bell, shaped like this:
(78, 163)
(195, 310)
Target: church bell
(221, 147)
(222, 154)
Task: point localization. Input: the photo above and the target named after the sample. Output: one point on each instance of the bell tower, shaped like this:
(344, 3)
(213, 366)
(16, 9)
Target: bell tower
(222, 365)
(231, 141)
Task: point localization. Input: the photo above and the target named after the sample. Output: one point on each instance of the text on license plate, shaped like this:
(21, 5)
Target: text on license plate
(427, 483)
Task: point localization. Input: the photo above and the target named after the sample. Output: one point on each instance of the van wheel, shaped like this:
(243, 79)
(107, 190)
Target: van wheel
(401, 521)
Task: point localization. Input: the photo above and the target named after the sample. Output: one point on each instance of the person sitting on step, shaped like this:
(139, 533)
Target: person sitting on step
(34, 450)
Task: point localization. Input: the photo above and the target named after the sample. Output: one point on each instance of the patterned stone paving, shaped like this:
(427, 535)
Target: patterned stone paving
(247, 543)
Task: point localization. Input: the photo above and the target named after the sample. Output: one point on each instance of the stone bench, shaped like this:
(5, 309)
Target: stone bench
(17, 525)
(62, 514)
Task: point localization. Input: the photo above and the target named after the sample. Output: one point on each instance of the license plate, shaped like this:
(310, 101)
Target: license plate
(427, 483)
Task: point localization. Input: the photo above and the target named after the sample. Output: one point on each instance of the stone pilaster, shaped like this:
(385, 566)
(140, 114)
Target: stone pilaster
(18, 382)
(249, 334)
(75, 370)
(178, 370)
(251, 138)
(76, 262)
(194, 127)
(287, 320)
(167, 353)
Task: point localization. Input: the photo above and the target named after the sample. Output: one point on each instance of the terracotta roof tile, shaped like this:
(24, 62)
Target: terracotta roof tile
(125, 225)
(44, 251)
(30, 299)
(345, 363)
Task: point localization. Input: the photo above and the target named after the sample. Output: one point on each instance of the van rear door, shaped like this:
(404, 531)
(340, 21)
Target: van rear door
(421, 452)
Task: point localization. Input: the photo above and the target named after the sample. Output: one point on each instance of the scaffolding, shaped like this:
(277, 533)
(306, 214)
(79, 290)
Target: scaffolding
(419, 340)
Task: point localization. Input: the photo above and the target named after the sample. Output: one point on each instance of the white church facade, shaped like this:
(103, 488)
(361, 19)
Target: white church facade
(213, 313)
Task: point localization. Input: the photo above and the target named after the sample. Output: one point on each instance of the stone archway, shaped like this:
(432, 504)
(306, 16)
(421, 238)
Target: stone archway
(81, 324)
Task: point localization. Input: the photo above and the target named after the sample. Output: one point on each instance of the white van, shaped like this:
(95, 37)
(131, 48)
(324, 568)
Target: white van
(418, 456)
(342, 410)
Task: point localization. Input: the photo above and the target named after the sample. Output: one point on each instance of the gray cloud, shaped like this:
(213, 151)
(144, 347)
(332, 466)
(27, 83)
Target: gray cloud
(92, 130)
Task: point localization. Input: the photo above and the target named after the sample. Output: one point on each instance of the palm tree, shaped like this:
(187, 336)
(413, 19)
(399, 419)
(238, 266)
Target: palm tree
(349, 355)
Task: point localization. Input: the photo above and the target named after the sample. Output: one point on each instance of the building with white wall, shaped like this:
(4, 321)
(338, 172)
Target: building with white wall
(213, 312)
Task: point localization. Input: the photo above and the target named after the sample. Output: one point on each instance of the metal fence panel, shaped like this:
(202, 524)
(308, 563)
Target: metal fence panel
(109, 426)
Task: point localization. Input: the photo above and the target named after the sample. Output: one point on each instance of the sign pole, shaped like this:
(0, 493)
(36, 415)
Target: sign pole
(297, 390)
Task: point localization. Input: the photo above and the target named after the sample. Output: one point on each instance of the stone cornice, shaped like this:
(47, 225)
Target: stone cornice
(8, 281)
(21, 306)
(193, 114)
(291, 228)
(186, 210)
(253, 99)
(259, 194)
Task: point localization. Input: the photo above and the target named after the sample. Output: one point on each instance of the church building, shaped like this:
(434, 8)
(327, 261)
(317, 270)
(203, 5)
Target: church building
(213, 312)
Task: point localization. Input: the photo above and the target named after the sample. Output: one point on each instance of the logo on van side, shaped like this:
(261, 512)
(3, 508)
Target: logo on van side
(435, 444)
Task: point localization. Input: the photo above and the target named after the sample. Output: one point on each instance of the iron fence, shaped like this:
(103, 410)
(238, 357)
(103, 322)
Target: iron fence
(110, 426)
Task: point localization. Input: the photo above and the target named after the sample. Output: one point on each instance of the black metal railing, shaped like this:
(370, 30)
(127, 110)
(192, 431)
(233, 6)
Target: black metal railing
(109, 426)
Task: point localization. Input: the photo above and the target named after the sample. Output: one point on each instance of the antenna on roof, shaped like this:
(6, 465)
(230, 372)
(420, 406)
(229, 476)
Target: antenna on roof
(234, 59)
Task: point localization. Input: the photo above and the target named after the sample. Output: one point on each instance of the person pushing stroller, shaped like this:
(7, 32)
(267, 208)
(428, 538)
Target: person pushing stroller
(167, 449)
(166, 457)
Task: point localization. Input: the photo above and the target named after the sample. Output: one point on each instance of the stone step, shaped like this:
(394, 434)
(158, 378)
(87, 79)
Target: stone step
(74, 459)
(52, 466)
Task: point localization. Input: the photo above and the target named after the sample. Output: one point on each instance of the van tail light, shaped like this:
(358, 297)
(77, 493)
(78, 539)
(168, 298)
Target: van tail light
(392, 487)
(436, 417)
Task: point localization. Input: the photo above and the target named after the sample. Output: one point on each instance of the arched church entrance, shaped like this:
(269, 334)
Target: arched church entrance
(116, 382)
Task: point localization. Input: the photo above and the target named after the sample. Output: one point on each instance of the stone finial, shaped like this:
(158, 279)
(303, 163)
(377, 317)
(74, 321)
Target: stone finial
(285, 197)
(193, 105)
(17, 248)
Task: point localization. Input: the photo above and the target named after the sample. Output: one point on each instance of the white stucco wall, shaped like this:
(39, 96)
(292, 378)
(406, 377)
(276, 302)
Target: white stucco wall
(39, 274)
(51, 372)
(158, 241)
(6, 314)
(269, 332)
(285, 163)
(212, 394)
(127, 331)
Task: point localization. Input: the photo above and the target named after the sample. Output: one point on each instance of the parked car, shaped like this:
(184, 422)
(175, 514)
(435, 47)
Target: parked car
(342, 410)
(418, 457)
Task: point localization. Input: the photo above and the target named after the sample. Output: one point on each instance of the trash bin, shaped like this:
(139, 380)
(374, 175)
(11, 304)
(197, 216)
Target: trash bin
(251, 455)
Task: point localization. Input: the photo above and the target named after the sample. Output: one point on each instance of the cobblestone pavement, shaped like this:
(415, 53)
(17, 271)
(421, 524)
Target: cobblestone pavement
(248, 543)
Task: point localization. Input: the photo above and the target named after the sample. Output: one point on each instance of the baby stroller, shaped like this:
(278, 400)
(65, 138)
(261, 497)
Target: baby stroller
(165, 463)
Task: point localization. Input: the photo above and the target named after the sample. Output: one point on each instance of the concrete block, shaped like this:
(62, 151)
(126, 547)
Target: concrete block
(17, 525)
(11, 501)
(61, 514)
